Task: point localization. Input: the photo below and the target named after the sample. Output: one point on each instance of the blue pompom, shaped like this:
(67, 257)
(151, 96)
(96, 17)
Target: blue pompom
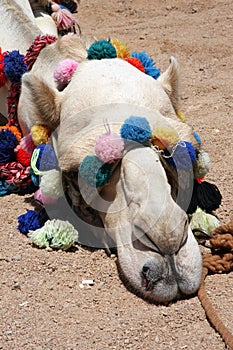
(35, 178)
(101, 49)
(197, 137)
(5, 188)
(14, 66)
(183, 157)
(8, 142)
(148, 64)
(47, 159)
(136, 129)
(94, 172)
(28, 221)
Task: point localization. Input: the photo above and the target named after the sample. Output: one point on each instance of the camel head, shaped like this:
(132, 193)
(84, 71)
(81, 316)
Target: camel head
(158, 256)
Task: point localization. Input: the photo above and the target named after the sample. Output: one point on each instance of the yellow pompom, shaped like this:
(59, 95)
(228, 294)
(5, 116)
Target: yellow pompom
(40, 134)
(121, 48)
(164, 136)
(180, 116)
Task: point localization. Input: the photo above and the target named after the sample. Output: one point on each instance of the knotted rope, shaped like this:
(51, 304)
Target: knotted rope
(219, 260)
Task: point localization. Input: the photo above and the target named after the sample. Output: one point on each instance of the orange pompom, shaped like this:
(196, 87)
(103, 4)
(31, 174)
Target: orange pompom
(136, 63)
(13, 129)
(158, 143)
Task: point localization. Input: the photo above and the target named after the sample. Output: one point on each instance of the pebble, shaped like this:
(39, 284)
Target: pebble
(16, 286)
(17, 257)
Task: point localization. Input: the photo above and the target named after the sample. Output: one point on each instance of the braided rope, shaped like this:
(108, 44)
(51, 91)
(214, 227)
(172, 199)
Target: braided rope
(218, 261)
(14, 172)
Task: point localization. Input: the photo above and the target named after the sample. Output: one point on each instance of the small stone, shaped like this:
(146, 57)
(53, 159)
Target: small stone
(16, 286)
(49, 249)
(194, 10)
(17, 257)
(9, 332)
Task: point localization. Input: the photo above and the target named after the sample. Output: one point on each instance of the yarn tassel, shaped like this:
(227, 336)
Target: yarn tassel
(63, 18)
(206, 196)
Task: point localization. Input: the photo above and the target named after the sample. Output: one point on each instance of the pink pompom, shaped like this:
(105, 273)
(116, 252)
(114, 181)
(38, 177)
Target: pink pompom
(109, 147)
(27, 144)
(63, 18)
(64, 71)
(39, 196)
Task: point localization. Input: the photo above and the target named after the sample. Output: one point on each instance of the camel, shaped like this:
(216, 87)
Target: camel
(158, 255)
(136, 211)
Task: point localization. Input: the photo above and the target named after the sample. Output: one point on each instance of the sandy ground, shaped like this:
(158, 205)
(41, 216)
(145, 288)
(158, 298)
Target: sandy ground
(42, 306)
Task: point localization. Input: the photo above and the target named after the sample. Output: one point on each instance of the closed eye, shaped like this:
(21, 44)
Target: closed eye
(141, 236)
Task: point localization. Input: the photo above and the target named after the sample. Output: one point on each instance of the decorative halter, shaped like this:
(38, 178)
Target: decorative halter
(30, 163)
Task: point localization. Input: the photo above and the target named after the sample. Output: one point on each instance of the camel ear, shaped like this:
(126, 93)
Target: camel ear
(39, 103)
(171, 82)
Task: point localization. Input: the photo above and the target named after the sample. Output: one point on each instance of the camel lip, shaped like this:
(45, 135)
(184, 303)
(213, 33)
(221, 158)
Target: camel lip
(149, 286)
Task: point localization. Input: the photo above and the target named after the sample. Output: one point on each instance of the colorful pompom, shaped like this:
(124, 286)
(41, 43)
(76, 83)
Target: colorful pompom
(206, 196)
(64, 71)
(35, 178)
(55, 233)
(51, 184)
(8, 142)
(136, 63)
(136, 129)
(191, 151)
(63, 18)
(164, 136)
(13, 129)
(40, 134)
(202, 164)
(2, 73)
(6, 188)
(121, 48)
(22, 156)
(183, 157)
(109, 147)
(197, 137)
(94, 172)
(180, 115)
(40, 197)
(47, 159)
(147, 63)
(14, 66)
(200, 219)
(101, 49)
(27, 144)
(28, 221)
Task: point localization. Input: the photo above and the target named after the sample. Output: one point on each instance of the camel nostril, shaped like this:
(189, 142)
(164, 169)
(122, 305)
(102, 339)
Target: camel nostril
(145, 269)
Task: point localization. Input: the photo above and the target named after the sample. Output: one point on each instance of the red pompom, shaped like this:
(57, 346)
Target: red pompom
(136, 63)
(2, 74)
(22, 156)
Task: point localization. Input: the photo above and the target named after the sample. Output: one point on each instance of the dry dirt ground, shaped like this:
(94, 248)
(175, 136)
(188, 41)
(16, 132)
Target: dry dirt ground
(42, 306)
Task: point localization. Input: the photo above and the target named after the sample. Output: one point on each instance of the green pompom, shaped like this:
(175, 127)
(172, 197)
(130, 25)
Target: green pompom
(101, 49)
(201, 220)
(55, 233)
(94, 172)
